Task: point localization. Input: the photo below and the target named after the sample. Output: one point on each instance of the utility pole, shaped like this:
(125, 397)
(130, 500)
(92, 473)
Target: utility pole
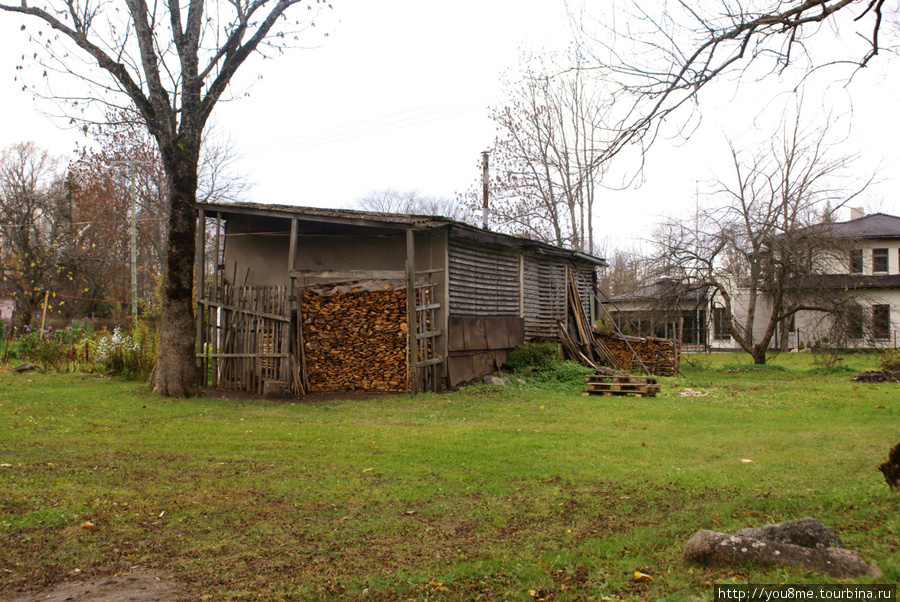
(132, 167)
(484, 180)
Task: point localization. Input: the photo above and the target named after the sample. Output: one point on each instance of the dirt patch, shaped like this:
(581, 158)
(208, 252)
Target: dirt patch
(884, 376)
(136, 587)
(310, 398)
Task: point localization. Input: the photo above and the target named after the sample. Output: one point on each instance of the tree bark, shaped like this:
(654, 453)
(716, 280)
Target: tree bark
(175, 373)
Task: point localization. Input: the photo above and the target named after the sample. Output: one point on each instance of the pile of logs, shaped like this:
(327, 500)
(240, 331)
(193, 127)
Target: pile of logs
(659, 356)
(598, 348)
(355, 340)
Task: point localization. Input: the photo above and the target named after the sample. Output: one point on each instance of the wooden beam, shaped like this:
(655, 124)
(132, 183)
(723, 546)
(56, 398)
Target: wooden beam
(344, 275)
(201, 284)
(411, 311)
(292, 247)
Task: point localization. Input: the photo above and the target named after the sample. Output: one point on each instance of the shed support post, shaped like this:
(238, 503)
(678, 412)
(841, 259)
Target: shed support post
(201, 284)
(413, 346)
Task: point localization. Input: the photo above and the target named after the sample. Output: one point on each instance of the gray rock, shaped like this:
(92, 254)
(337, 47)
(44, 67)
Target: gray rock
(806, 532)
(24, 368)
(490, 379)
(721, 550)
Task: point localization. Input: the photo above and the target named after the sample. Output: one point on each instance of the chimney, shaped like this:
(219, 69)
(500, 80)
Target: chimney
(856, 213)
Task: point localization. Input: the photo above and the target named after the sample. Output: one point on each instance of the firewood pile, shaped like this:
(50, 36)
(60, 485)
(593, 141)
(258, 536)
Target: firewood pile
(354, 336)
(597, 348)
(659, 356)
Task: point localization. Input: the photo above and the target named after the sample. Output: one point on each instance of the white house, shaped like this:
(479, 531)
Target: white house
(869, 273)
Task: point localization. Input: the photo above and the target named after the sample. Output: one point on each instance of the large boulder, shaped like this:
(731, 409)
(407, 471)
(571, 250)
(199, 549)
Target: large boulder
(806, 532)
(721, 550)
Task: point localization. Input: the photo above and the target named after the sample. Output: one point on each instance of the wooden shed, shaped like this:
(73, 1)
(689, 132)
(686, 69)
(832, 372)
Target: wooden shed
(318, 299)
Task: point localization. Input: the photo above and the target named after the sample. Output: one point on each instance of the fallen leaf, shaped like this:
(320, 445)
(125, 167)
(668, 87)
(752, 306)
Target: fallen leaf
(367, 469)
(746, 461)
(639, 576)
(87, 525)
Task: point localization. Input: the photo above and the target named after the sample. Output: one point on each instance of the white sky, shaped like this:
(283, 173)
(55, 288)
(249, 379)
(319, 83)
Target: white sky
(397, 97)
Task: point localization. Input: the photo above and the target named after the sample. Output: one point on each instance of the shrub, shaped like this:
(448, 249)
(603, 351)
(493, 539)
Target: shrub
(541, 362)
(532, 356)
(131, 355)
(890, 360)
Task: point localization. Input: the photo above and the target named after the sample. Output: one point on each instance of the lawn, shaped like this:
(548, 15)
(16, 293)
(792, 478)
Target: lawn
(516, 493)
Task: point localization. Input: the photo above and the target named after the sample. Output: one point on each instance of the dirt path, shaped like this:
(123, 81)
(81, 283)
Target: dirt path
(137, 587)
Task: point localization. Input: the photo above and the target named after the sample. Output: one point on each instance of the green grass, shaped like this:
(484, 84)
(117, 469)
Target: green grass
(509, 493)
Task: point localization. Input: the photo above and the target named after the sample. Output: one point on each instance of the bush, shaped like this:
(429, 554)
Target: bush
(542, 363)
(890, 360)
(532, 356)
(131, 355)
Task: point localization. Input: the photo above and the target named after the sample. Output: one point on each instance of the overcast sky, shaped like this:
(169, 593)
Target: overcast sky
(397, 96)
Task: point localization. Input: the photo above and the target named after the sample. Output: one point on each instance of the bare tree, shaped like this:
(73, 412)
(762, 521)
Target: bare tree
(662, 54)
(171, 62)
(627, 272)
(545, 158)
(36, 242)
(122, 153)
(762, 250)
(412, 202)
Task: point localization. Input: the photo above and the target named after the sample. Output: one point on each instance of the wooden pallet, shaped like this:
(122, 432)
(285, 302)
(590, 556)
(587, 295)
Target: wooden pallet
(639, 386)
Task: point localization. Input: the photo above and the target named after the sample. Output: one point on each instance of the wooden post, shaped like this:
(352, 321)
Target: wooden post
(201, 284)
(292, 251)
(411, 311)
(44, 313)
(215, 331)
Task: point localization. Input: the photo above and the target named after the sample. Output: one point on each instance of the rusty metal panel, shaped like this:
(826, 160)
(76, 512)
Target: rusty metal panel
(456, 335)
(474, 333)
(459, 369)
(497, 333)
(515, 332)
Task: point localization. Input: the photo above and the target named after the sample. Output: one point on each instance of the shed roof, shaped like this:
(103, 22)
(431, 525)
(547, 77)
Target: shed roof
(352, 217)
(664, 288)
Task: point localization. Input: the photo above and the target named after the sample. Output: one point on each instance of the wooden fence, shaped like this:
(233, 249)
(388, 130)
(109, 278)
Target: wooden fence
(245, 338)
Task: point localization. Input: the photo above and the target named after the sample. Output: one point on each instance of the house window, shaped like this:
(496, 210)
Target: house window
(881, 321)
(879, 261)
(856, 262)
(719, 324)
(854, 325)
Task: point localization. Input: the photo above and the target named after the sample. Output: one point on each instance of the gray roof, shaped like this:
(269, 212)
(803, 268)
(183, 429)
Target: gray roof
(876, 225)
(394, 220)
(665, 288)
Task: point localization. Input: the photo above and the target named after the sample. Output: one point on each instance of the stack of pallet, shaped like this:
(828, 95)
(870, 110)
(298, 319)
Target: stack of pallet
(622, 384)
(355, 338)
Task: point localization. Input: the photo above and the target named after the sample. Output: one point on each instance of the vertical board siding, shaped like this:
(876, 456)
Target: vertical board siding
(484, 281)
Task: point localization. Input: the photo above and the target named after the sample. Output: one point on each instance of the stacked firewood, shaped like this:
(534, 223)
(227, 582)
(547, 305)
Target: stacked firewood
(659, 356)
(597, 348)
(355, 340)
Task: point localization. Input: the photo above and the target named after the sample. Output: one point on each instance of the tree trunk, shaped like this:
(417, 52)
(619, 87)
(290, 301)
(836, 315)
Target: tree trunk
(175, 373)
(759, 355)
